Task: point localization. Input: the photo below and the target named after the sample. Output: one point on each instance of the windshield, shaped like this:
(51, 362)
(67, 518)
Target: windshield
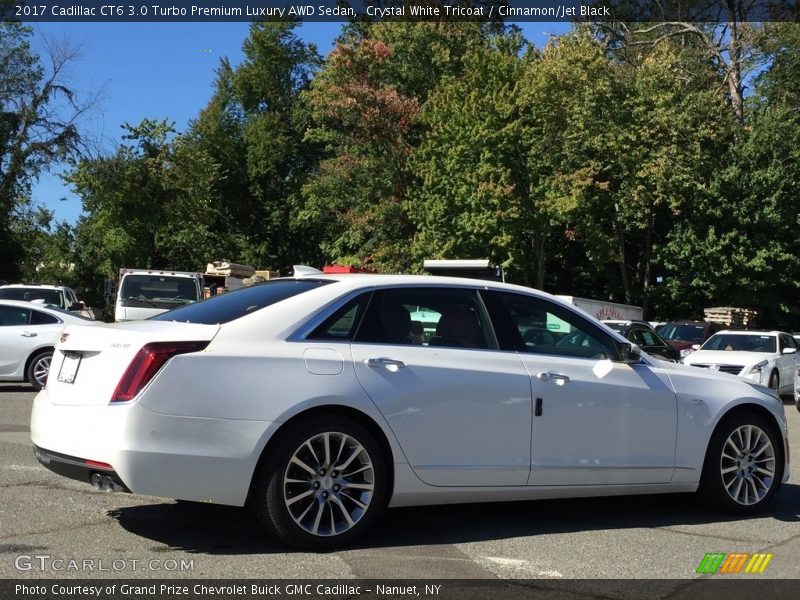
(158, 291)
(684, 332)
(53, 297)
(741, 343)
(232, 305)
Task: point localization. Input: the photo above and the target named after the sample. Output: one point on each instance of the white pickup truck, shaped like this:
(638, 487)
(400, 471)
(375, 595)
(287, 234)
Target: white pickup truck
(142, 293)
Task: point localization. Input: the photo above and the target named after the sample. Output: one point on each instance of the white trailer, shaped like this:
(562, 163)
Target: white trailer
(604, 310)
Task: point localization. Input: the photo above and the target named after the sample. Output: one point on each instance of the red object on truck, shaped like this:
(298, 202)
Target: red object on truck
(339, 269)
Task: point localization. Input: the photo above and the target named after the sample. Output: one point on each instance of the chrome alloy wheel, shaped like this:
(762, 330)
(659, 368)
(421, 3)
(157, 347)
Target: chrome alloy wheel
(748, 465)
(41, 368)
(328, 484)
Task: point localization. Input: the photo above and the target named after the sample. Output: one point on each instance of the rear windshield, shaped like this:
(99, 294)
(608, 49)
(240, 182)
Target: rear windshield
(683, 332)
(232, 305)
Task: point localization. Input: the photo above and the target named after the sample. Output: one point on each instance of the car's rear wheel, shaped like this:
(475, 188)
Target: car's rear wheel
(322, 485)
(39, 368)
(743, 465)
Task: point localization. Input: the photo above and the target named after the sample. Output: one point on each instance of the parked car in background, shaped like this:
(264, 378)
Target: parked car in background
(333, 409)
(60, 296)
(682, 335)
(641, 334)
(767, 357)
(28, 334)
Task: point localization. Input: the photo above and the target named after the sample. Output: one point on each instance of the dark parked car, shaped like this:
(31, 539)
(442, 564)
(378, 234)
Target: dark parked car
(641, 334)
(682, 335)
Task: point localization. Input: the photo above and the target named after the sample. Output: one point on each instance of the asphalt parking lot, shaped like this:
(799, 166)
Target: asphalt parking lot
(85, 533)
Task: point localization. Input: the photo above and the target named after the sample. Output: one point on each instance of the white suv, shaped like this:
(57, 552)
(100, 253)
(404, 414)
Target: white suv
(53, 295)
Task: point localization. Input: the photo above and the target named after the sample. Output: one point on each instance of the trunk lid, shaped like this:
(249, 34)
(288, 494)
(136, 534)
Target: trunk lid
(89, 360)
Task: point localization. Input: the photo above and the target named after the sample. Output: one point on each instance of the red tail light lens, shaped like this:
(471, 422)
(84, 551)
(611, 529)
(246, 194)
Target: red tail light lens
(147, 362)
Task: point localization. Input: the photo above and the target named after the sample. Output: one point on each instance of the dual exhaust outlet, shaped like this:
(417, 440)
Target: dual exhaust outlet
(105, 483)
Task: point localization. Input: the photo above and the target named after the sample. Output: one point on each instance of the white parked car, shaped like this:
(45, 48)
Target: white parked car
(316, 401)
(28, 334)
(60, 296)
(767, 357)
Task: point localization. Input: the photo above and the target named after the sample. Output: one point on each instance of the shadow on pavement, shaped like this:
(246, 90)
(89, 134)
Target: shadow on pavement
(211, 529)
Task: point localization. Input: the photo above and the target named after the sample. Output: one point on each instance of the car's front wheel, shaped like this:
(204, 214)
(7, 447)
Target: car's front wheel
(322, 484)
(774, 382)
(743, 466)
(39, 368)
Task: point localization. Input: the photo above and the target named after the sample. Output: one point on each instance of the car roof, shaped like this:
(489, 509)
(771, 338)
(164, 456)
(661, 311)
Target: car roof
(363, 280)
(26, 304)
(41, 286)
(750, 332)
(46, 308)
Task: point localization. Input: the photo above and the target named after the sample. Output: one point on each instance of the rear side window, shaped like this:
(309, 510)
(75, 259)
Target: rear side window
(428, 316)
(342, 324)
(233, 305)
(40, 318)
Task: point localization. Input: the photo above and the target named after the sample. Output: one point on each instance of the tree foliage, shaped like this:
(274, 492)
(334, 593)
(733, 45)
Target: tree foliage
(624, 163)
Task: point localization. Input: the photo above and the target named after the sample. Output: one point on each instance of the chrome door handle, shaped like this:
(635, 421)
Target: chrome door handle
(388, 363)
(555, 377)
(29, 334)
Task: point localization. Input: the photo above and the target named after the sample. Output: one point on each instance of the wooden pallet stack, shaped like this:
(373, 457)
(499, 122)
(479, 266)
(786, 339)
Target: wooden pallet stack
(742, 318)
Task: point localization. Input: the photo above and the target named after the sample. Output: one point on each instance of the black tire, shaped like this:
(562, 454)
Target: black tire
(774, 382)
(320, 502)
(40, 363)
(739, 484)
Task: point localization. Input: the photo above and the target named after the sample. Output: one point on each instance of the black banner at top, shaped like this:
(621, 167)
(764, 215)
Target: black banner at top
(712, 11)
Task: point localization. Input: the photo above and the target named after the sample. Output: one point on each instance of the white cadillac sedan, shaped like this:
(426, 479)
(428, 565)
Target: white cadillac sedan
(767, 357)
(28, 334)
(319, 401)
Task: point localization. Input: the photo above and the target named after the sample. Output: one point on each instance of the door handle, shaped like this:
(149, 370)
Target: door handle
(29, 334)
(387, 363)
(557, 378)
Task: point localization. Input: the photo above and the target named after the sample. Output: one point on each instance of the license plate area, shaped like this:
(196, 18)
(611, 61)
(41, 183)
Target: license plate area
(69, 368)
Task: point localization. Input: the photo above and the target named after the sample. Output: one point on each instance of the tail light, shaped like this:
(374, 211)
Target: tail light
(147, 362)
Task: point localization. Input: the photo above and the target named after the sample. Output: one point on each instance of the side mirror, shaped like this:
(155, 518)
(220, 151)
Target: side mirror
(789, 350)
(628, 353)
(76, 306)
(695, 346)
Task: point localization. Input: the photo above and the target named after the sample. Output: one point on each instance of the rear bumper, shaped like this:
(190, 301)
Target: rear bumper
(148, 453)
(79, 469)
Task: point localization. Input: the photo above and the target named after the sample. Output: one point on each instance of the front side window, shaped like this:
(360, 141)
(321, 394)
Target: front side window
(428, 316)
(543, 327)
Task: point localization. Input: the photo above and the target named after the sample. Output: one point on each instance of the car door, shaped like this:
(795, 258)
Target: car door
(17, 340)
(597, 420)
(460, 409)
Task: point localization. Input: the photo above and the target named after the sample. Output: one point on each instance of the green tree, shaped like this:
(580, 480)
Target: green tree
(39, 113)
(365, 105)
(473, 199)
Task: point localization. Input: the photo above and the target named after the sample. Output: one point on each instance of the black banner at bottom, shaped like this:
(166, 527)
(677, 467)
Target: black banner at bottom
(715, 588)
